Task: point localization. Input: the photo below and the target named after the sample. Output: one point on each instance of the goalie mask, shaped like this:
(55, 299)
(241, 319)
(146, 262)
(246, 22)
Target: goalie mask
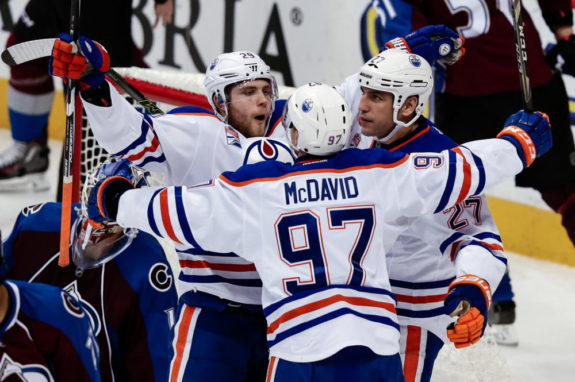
(401, 74)
(92, 247)
(321, 117)
(232, 68)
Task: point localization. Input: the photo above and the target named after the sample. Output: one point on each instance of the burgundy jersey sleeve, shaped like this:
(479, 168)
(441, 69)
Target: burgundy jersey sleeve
(490, 62)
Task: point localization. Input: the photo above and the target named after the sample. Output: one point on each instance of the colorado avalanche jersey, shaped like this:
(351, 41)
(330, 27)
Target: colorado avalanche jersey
(462, 239)
(318, 233)
(189, 146)
(490, 63)
(130, 300)
(46, 336)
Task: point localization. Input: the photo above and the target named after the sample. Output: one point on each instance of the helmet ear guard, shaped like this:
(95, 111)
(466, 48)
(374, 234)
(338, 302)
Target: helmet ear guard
(402, 74)
(321, 117)
(229, 69)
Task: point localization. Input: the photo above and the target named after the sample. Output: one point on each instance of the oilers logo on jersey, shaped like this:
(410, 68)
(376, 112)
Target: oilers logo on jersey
(262, 149)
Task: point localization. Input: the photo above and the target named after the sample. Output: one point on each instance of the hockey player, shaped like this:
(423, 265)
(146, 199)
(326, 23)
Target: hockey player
(45, 334)
(31, 89)
(318, 232)
(461, 239)
(220, 292)
(487, 79)
(121, 278)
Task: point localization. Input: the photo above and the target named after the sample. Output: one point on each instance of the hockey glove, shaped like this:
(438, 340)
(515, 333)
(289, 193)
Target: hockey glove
(104, 199)
(530, 133)
(562, 56)
(67, 63)
(433, 42)
(469, 298)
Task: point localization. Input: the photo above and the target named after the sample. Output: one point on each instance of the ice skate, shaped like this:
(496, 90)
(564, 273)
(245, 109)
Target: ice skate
(502, 321)
(23, 166)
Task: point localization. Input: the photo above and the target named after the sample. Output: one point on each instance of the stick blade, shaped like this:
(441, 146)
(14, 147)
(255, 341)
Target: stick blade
(27, 51)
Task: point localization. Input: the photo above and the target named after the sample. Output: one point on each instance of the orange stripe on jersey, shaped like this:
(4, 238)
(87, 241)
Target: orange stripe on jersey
(359, 301)
(270, 132)
(420, 299)
(412, 349)
(272, 364)
(318, 171)
(493, 246)
(165, 209)
(152, 147)
(410, 139)
(466, 177)
(181, 342)
(217, 266)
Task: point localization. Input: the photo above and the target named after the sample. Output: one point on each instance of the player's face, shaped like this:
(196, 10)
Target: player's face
(376, 113)
(250, 106)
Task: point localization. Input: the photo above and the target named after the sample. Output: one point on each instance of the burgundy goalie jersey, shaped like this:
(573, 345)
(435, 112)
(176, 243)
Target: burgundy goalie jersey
(46, 336)
(130, 299)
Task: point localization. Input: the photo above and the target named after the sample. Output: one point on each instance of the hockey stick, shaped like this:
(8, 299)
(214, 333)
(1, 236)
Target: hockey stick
(34, 49)
(68, 154)
(521, 55)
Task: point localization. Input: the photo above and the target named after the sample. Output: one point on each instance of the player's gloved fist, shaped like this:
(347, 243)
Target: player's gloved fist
(530, 133)
(562, 56)
(104, 199)
(67, 63)
(433, 42)
(469, 298)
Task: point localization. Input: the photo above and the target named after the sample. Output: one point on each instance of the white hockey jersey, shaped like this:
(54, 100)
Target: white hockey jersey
(318, 233)
(188, 148)
(462, 239)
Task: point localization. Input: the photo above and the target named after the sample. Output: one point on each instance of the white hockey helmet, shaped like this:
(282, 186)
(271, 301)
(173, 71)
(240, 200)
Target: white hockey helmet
(322, 118)
(230, 68)
(402, 74)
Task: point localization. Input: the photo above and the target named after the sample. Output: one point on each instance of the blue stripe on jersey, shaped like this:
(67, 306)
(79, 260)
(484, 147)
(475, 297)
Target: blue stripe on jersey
(488, 235)
(420, 313)
(182, 219)
(146, 123)
(450, 240)
(421, 285)
(273, 307)
(327, 317)
(149, 159)
(345, 160)
(151, 219)
(479, 164)
(450, 182)
(199, 251)
(219, 279)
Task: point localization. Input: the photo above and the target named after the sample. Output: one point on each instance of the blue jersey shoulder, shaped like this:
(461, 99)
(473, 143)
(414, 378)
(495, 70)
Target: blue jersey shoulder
(345, 160)
(190, 110)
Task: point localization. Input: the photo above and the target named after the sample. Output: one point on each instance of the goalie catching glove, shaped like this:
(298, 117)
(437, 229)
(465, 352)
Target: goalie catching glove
(530, 133)
(69, 60)
(435, 43)
(469, 298)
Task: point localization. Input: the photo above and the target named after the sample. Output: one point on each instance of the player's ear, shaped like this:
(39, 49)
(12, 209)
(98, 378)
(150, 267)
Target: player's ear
(219, 102)
(408, 107)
